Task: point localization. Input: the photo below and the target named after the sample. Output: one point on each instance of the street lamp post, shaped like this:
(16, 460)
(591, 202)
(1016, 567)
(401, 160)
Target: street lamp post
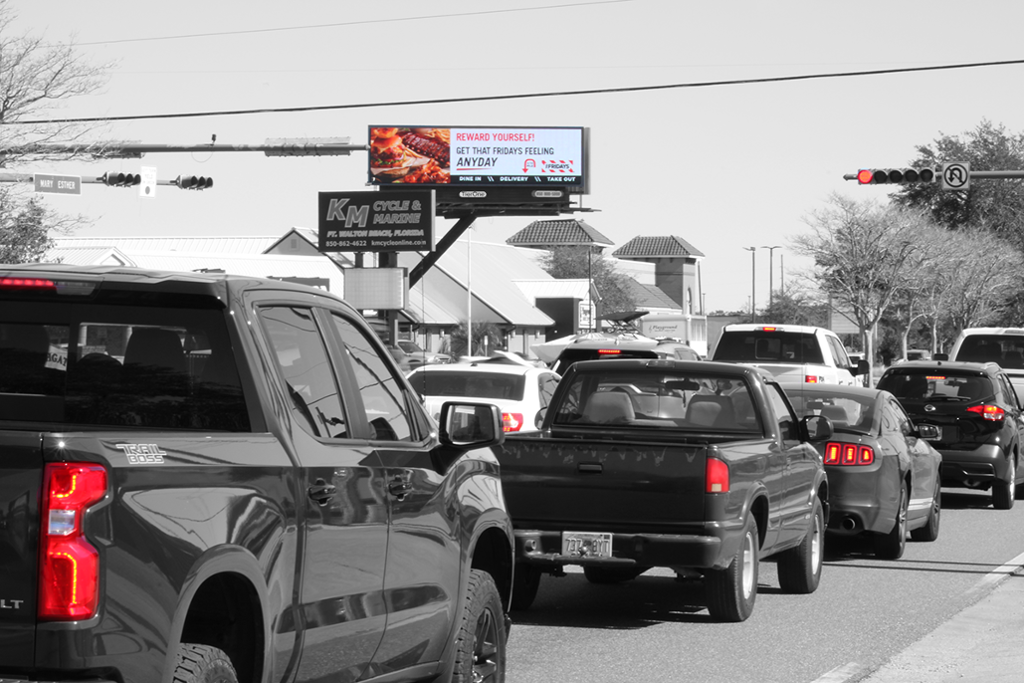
(771, 272)
(753, 283)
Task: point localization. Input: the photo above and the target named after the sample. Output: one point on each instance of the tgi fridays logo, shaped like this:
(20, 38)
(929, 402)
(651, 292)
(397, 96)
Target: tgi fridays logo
(550, 166)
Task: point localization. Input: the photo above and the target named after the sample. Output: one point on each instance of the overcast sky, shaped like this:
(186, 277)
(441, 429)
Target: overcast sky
(723, 166)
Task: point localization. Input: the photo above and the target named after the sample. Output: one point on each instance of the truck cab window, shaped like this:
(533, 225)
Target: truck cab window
(307, 371)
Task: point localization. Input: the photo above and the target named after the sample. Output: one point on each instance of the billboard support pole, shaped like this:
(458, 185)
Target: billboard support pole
(443, 244)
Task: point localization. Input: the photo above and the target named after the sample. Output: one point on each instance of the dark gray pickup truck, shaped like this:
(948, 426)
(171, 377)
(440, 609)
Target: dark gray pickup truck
(210, 477)
(694, 466)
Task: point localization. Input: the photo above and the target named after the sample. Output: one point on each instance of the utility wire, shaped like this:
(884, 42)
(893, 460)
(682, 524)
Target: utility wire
(362, 22)
(521, 96)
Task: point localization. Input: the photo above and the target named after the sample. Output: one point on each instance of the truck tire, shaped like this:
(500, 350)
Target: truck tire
(800, 567)
(1004, 492)
(930, 531)
(525, 586)
(203, 664)
(890, 546)
(731, 592)
(609, 575)
(480, 643)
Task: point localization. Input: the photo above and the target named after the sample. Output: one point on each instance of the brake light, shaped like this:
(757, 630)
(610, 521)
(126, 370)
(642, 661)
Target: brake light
(26, 282)
(813, 379)
(69, 567)
(768, 329)
(511, 422)
(608, 352)
(989, 412)
(716, 476)
(848, 454)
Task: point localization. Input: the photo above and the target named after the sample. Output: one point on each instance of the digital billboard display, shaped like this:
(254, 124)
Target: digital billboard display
(480, 156)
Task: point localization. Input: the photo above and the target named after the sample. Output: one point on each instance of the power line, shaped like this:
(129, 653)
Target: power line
(362, 22)
(521, 96)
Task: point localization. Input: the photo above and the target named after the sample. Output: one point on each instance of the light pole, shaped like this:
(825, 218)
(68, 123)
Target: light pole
(753, 283)
(771, 272)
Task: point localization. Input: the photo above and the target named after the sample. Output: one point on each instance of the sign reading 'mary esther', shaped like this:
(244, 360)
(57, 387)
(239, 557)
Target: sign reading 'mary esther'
(396, 220)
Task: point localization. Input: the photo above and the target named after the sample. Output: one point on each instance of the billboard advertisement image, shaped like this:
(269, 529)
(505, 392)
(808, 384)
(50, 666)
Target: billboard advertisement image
(483, 156)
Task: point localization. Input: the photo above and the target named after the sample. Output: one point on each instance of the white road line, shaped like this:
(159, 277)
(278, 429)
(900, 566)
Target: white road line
(997, 575)
(841, 674)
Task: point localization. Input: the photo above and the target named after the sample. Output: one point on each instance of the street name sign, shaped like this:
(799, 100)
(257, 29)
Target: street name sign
(57, 184)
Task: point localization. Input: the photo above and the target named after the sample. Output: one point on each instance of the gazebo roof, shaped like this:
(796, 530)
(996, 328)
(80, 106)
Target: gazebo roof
(657, 247)
(562, 233)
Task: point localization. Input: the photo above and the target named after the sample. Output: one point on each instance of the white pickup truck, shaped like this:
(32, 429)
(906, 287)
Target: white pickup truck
(792, 353)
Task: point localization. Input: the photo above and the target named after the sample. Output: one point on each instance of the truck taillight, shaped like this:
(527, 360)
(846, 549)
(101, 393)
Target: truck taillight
(511, 422)
(716, 476)
(69, 567)
(813, 379)
(989, 412)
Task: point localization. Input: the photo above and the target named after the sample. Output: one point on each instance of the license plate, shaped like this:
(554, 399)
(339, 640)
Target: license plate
(586, 544)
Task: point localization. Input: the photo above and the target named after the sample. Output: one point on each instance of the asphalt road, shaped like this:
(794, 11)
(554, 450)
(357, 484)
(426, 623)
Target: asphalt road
(865, 610)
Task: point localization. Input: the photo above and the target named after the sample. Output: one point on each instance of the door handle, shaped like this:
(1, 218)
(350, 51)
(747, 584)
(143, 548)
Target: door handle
(400, 487)
(321, 492)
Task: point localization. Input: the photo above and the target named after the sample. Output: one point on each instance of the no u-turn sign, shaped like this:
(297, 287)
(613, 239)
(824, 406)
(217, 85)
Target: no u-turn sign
(956, 176)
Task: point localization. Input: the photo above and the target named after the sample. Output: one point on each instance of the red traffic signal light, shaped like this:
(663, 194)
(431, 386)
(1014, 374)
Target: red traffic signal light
(192, 182)
(879, 176)
(114, 179)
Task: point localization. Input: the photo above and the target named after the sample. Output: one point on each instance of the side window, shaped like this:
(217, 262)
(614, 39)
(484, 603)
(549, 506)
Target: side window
(894, 419)
(787, 421)
(1009, 395)
(547, 389)
(308, 374)
(838, 353)
(382, 393)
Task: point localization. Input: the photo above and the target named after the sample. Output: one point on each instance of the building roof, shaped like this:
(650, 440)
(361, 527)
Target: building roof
(210, 245)
(649, 297)
(657, 247)
(561, 233)
(573, 288)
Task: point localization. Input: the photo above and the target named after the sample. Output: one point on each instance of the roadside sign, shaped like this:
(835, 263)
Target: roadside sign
(147, 186)
(57, 184)
(956, 176)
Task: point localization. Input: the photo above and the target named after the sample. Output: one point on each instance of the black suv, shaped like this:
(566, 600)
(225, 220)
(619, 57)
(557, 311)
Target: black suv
(980, 421)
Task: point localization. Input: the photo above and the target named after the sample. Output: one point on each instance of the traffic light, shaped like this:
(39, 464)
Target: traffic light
(121, 179)
(880, 176)
(193, 182)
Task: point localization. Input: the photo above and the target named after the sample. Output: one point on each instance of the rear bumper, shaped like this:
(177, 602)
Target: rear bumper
(979, 467)
(693, 551)
(863, 499)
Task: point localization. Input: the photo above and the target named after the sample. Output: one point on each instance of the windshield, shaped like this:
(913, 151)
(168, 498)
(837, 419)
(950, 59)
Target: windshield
(1005, 349)
(409, 346)
(931, 384)
(768, 347)
(469, 384)
(848, 414)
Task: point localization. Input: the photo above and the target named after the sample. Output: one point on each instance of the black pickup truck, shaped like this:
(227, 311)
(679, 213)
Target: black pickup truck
(207, 477)
(660, 463)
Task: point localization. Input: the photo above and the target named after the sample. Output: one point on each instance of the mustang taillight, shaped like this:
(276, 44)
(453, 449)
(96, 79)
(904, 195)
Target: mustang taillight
(848, 454)
(989, 412)
(716, 476)
(69, 566)
(511, 422)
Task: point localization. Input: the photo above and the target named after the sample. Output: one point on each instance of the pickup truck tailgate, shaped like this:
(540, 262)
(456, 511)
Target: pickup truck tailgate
(591, 484)
(21, 467)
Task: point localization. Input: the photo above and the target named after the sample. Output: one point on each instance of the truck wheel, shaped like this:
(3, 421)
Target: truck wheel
(731, 591)
(930, 531)
(203, 664)
(608, 575)
(890, 546)
(480, 644)
(525, 586)
(1004, 492)
(800, 567)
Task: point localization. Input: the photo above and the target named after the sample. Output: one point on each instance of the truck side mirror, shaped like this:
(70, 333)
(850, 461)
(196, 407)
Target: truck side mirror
(861, 368)
(816, 427)
(470, 425)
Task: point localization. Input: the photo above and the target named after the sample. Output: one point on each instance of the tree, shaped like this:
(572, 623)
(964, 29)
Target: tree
(612, 286)
(862, 253)
(486, 338)
(35, 78)
(793, 306)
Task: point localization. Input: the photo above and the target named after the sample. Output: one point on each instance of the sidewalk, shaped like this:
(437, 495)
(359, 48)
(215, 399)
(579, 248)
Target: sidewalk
(985, 642)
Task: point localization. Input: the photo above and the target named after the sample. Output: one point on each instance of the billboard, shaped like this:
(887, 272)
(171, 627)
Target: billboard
(376, 221)
(478, 156)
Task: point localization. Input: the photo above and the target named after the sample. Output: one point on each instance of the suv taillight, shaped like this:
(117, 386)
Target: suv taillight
(69, 566)
(989, 412)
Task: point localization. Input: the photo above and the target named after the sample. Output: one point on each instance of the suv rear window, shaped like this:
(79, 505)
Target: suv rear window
(1007, 350)
(933, 384)
(469, 384)
(123, 365)
(771, 347)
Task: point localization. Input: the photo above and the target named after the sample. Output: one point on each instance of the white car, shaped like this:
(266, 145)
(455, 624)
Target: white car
(519, 391)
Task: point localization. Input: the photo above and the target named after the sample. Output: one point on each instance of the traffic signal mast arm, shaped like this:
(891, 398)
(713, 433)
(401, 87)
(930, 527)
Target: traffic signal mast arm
(185, 182)
(974, 175)
(274, 147)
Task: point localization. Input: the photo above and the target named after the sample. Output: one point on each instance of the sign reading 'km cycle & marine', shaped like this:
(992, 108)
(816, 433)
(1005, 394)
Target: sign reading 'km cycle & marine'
(397, 220)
